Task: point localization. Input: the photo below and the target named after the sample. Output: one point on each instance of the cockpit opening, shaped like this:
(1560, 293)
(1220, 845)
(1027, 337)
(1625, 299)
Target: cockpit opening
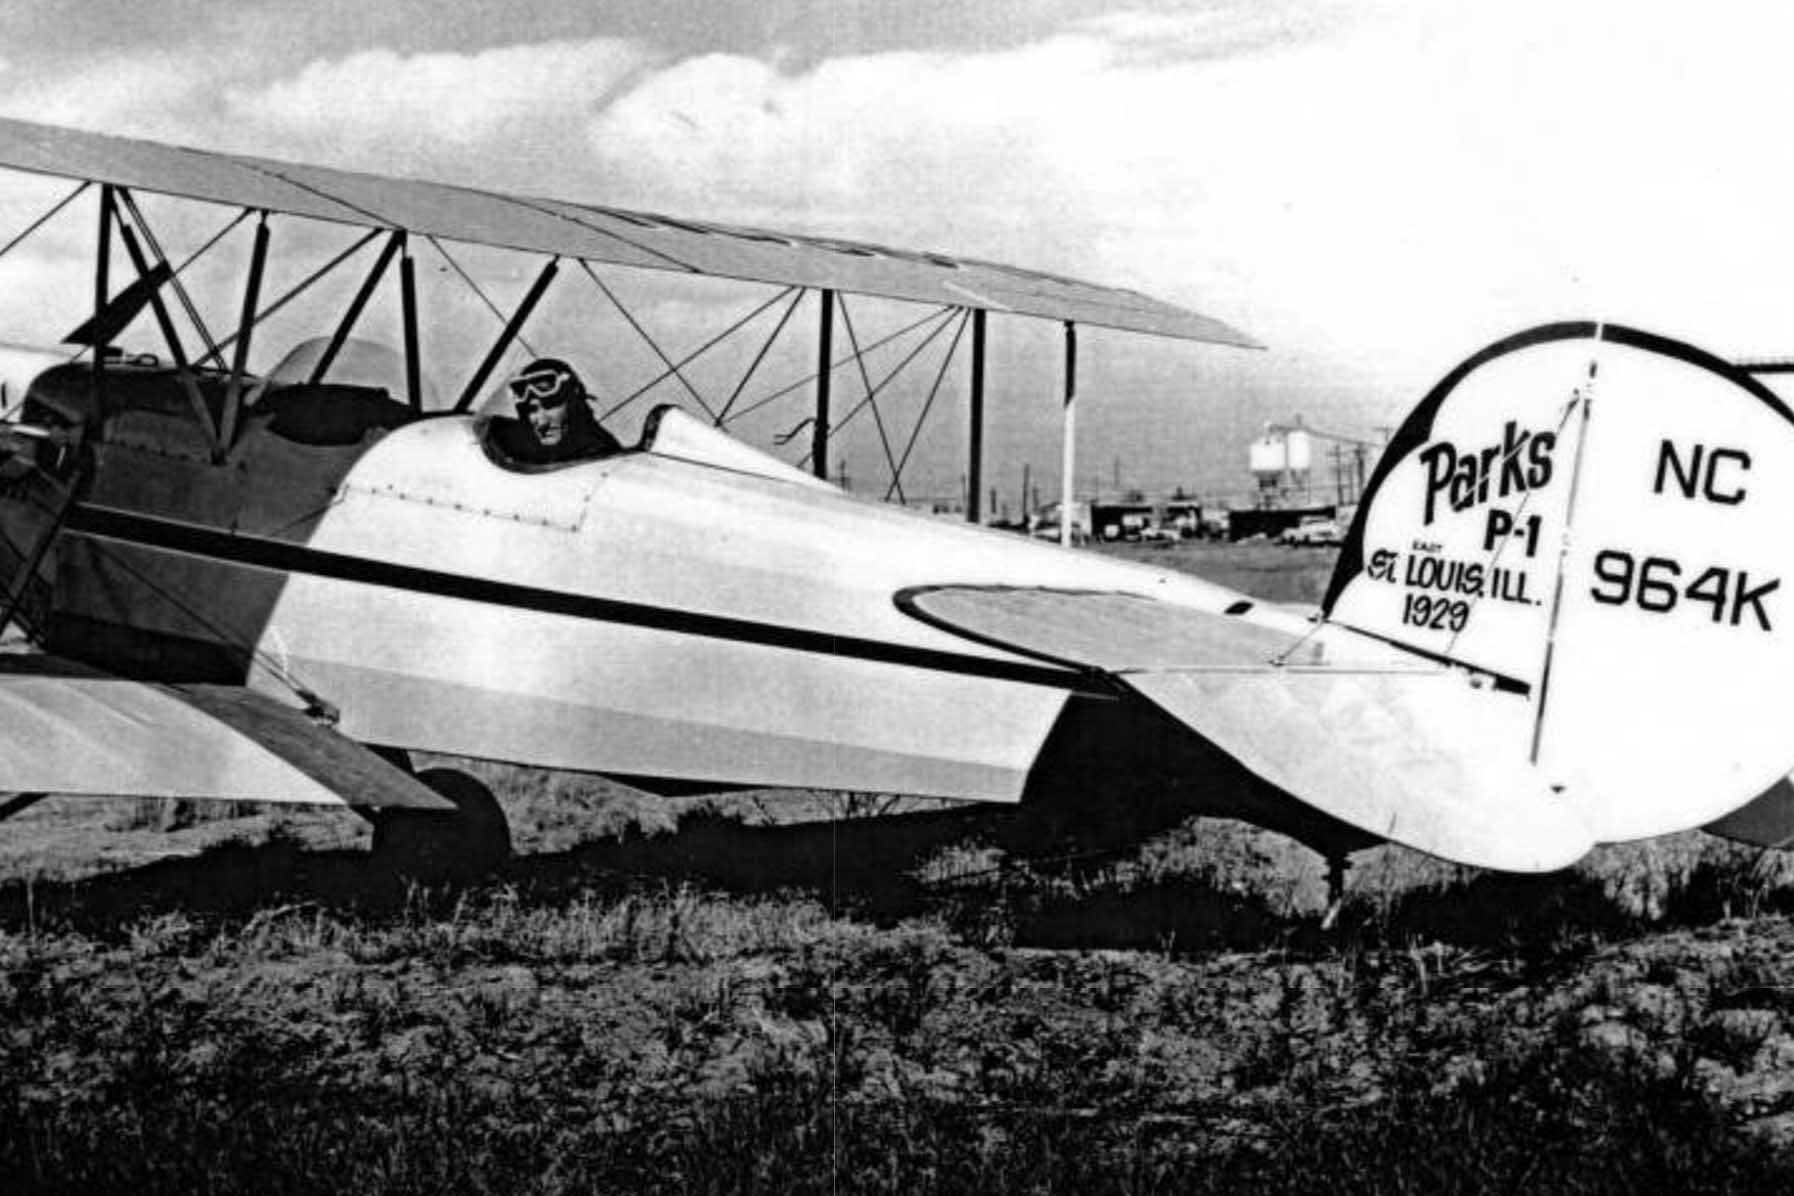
(552, 422)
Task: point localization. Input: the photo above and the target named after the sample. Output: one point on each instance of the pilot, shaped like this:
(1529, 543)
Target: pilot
(555, 415)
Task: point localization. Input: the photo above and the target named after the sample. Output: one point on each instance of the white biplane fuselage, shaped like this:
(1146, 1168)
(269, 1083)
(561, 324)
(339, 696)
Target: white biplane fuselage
(690, 609)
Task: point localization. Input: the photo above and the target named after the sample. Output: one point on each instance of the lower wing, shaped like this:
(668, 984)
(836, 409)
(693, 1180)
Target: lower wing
(66, 728)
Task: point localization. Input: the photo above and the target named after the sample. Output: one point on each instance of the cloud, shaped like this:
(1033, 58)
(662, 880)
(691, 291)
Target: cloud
(146, 92)
(1219, 29)
(484, 113)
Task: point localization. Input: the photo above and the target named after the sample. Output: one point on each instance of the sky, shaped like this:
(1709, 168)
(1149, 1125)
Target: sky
(1374, 189)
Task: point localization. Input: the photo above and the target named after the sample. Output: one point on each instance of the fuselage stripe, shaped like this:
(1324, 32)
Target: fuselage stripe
(282, 556)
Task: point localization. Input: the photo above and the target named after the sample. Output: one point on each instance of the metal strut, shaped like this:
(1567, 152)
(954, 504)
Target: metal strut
(974, 420)
(824, 380)
(216, 356)
(183, 369)
(347, 324)
(513, 330)
(1336, 878)
(149, 237)
(19, 803)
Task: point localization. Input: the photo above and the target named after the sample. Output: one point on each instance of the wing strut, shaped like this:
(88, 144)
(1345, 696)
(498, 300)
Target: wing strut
(297, 289)
(414, 384)
(102, 291)
(149, 237)
(512, 328)
(824, 372)
(341, 335)
(252, 290)
(1068, 450)
(974, 421)
(183, 369)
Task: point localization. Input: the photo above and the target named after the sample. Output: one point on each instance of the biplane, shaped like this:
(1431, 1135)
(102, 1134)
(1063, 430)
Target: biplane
(1551, 626)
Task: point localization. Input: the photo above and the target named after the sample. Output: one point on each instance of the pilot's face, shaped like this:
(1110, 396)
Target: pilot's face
(548, 423)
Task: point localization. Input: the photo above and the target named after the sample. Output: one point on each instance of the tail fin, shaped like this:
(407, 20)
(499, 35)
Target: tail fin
(1600, 517)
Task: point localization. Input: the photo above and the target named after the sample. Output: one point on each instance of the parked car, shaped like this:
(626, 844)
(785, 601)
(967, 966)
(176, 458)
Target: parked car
(1158, 533)
(1321, 530)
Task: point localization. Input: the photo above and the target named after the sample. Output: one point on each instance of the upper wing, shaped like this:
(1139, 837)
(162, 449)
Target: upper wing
(591, 232)
(68, 729)
(1379, 738)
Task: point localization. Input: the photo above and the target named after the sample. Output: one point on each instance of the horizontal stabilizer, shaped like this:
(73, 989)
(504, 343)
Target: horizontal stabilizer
(1377, 737)
(1425, 760)
(1116, 632)
(68, 729)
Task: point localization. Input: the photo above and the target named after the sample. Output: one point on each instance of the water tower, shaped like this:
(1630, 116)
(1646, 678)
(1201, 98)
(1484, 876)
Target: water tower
(1280, 460)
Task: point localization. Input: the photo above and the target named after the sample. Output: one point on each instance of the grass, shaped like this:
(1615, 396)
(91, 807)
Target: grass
(669, 1039)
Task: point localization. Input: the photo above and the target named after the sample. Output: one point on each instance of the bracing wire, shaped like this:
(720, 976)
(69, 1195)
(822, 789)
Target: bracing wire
(939, 313)
(933, 391)
(473, 286)
(702, 349)
(878, 420)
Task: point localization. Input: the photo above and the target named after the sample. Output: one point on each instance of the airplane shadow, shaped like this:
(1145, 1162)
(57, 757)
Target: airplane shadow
(865, 867)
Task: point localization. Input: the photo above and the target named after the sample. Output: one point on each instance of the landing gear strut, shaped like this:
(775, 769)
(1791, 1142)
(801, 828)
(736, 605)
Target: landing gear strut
(436, 845)
(1336, 877)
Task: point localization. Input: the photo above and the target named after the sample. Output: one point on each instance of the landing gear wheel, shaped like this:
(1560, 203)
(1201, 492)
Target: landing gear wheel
(433, 845)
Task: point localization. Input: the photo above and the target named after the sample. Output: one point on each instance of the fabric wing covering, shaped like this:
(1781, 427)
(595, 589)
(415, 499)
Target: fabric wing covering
(68, 729)
(1378, 738)
(591, 232)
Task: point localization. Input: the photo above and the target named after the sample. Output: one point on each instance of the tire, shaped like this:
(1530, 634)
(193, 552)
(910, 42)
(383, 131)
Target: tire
(434, 845)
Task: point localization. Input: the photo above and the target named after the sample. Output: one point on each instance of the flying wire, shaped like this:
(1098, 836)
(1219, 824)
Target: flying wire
(933, 391)
(790, 309)
(180, 290)
(878, 420)
(44, 219)
(475, 288)
(939, 313)
(304, 284)
(652, 343)
(702, 349)
(939, 328)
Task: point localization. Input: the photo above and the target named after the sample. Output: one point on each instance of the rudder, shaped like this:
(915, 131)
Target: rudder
(1594, 515)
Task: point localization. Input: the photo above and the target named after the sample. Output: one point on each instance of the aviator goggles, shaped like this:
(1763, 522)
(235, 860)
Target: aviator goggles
(544, 388)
